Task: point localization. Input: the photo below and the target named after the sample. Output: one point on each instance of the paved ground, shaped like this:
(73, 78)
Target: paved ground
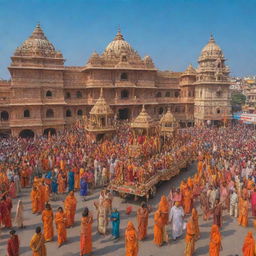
(233, 235)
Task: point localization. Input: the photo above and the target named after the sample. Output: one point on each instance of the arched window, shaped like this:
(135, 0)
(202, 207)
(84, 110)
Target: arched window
(124, 77)
(218, 111)
(49, 113)
(176, 94)
(167, 94)
(79, 112)
(26, 113)
(78, 94)
(68, 113)
(4, 116)
(124, 94)
(67, 95)
(48, 94)
(160, 111)
(158, 95)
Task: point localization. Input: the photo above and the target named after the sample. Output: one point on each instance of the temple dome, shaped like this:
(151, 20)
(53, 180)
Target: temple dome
(143, 120)
(37, 45)
(211, 48)
(118, 46)
(189, 71)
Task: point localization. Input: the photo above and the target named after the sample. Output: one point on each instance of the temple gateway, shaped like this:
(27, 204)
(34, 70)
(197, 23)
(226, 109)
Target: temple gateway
(44, 96)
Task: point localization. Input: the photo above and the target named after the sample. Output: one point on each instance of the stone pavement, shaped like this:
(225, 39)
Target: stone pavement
(233, 235)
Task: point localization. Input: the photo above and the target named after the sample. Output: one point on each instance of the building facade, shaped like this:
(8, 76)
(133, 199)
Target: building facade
(43, 95)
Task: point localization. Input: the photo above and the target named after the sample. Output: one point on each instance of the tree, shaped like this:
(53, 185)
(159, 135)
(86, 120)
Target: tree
(237, 100)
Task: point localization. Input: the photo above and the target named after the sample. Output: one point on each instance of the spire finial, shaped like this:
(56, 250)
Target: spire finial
(119, 35)
(212, 38)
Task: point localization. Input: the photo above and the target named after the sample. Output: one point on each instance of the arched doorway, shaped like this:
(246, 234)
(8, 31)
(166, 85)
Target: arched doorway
(27, 134)
(123, 113)
(52, 131)
(5, 133)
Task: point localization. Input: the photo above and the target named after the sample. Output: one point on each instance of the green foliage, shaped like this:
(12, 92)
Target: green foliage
(237, 98)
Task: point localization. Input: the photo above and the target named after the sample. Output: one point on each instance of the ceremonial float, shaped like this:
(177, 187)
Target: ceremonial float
(152, 157)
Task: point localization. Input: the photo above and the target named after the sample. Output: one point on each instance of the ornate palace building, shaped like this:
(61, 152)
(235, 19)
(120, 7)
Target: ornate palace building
(45, 95)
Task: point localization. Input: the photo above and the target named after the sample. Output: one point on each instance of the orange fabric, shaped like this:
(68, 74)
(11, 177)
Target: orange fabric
(195, 222)
(249, 245)
(243, 213)
(131, 240)
(47, 194)
(158, 228)
(215, 241)
(61, 184)
(35, 199)
(77, 179)
(60, 220)
(164, 209)
(187, 201)
(70, 209)
(190, 238)
(86, 235)
(37, 245)
(47, 218)
(42, 197)
(142, 216)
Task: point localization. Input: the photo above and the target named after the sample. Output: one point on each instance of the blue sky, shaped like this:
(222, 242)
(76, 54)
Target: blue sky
(172, 32)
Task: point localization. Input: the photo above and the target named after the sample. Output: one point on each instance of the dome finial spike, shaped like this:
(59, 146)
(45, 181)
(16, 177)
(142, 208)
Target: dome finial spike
(212, 38)
(119, 35)
(101, 92)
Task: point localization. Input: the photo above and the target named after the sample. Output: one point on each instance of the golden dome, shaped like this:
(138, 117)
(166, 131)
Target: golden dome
(168, 117)
(37, 45)
(143, 120)
(211, 48)
(119, 46)
(101, 107)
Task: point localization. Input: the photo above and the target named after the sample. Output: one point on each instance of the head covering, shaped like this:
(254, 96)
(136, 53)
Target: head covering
(163, 205)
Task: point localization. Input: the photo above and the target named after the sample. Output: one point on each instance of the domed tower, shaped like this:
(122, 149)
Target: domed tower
(212, 96)
(37, 87)
(101, 121)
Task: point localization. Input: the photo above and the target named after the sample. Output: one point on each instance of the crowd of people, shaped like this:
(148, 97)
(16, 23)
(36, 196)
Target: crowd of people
(72, 163)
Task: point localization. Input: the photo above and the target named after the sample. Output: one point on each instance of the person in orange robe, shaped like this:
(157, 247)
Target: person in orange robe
(60, 220)
(47, 194)
(86, 233)
(243, 212)
(35, 199)
(142, 216)
(61, 183)
(5, 212)
(187, 199)
(37, 243)
(42, 188)
(195, 221)
(77, 178)
(158, 228)
(47, 218)
(164, 212)
(70, 208)
(190, 238)
(13, 244)
(249, 245)
(131, 240)
(215, 241)
(24, 177)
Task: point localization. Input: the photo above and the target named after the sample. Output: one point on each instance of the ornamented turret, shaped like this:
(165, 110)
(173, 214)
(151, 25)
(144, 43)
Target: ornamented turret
(212, 64)
(190, 71)
(212, 96)
(37, 50)
(101, 118)
(143, 121)
(37, 45)
(168, 123)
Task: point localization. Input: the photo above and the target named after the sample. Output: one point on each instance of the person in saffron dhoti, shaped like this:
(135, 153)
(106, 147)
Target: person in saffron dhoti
(86, 233)
(37, 243)
(115, 219)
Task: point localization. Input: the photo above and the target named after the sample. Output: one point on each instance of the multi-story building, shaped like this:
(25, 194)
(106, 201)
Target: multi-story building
(45, 95)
